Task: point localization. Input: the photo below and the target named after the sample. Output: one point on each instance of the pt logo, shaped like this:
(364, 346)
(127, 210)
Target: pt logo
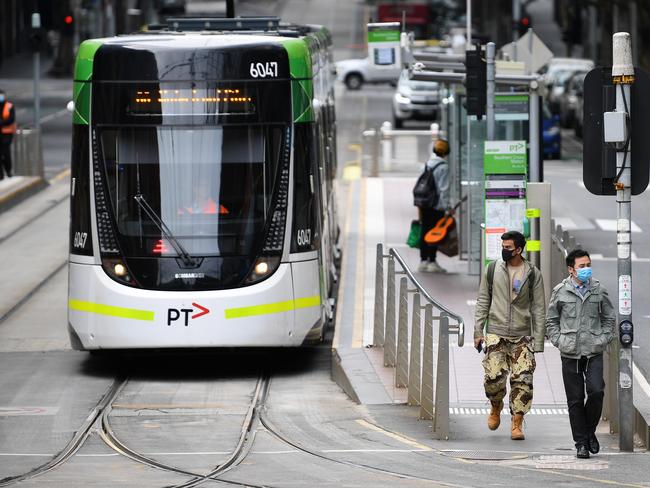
(174, 314)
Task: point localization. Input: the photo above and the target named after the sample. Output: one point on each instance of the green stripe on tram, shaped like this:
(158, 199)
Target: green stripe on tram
(101, 309)
(83, 73)
(270, 308)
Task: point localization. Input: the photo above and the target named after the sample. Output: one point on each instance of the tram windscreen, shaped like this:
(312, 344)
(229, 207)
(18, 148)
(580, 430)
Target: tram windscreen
(211, 186)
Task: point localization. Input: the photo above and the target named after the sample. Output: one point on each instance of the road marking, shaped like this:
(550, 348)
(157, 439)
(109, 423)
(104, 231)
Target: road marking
(471, 303)
(376, 450)
(352, 169)
(611, 225)
(635, 258)
(63, 174)
(22, 411)
(53, 116)
(643, 383)
(393, 435)
(568, 223)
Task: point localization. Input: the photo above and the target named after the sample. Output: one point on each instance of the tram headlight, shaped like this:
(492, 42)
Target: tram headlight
(116, 269)
(263, 267)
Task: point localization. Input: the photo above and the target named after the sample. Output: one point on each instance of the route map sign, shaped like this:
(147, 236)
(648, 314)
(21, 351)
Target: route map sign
(504, 164)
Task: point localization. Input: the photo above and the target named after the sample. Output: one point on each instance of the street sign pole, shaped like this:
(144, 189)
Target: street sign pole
(36, 24)
(623, 77)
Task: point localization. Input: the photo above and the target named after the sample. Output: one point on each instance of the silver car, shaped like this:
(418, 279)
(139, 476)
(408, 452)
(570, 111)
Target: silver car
(415, 100)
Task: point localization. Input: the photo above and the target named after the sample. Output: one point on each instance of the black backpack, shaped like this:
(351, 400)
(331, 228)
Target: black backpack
(425, 192)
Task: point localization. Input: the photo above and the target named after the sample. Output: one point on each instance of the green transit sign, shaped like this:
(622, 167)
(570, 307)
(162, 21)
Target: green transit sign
(383, 36)
(505, 157)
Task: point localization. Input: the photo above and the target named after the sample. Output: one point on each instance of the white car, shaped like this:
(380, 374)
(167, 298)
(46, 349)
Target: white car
(415, 100)
(355, 72)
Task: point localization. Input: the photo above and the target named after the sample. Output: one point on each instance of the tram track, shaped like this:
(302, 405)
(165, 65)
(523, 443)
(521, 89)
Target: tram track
(77, 440)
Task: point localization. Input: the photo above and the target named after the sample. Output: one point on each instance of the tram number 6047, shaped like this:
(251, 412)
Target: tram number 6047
(304, 237)
(264, 70)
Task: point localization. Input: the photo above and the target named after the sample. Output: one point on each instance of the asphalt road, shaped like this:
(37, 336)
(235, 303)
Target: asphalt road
(185, 412)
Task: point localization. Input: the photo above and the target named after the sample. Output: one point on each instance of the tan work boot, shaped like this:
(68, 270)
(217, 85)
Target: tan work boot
(516, 430)
(494, 419)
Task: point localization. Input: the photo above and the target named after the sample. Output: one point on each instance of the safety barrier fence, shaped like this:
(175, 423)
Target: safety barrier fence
(563, 243)
(27, 153)
(421, 357)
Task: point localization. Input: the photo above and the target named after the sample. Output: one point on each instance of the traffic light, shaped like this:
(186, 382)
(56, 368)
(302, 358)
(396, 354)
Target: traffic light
(68, 25)
(476, 82)
(523, 24)
(36, 39)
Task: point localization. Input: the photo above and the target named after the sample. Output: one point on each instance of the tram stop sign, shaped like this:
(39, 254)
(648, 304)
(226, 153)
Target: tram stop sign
(599, 160)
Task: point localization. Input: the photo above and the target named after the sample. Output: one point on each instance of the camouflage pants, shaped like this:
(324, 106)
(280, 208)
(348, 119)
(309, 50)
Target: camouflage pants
(514, 357)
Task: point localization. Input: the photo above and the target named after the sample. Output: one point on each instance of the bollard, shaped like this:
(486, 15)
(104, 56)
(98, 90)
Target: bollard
(533, 245)
(415, 363)
(378, 332)
(426, 388)
(402, 366)
(389, 339)
(386, 145)
(441, 411)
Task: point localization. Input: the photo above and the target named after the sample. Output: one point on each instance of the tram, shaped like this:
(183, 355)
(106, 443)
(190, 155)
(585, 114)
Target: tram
(203, 210)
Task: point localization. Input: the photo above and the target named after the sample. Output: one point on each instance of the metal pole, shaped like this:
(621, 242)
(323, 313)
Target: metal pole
(378, 335)
(534, 173)
(468, 36)
(490, 90)
(415, 362)
(389, 337)
(623, 76)
(36, 24)
(516, 15)
(402, 358)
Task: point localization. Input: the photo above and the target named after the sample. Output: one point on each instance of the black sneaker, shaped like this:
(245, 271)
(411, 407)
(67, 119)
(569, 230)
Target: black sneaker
(583, 452)
(594, 445)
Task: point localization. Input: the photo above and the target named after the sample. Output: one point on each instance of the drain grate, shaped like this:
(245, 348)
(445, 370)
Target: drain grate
(485, 455)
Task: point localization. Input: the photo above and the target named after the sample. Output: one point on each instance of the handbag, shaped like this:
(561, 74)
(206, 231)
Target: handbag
(449, 246)
(415, 234)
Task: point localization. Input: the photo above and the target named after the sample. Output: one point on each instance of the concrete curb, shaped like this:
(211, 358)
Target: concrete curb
(26, 188)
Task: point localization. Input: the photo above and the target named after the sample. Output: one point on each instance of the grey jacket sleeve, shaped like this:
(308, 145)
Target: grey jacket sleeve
(441, 176)
(553, 319)
(607, 316)
(482, 307)
(538, 313)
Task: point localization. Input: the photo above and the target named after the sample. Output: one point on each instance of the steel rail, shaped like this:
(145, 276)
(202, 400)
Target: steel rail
(461, 323)
(77, 440)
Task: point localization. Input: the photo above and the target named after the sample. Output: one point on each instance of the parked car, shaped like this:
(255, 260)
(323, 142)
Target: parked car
(551, 134)
(579, 116)
(415, 100)
(556, 74)
(569, 99)
(355, 72)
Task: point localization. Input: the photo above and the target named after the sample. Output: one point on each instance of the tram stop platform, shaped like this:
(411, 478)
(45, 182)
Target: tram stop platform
(379, 210)
(15, 189)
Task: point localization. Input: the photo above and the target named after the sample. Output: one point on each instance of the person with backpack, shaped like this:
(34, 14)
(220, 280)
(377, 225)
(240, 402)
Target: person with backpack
(431, 196)
(509, 327)
(580, 323)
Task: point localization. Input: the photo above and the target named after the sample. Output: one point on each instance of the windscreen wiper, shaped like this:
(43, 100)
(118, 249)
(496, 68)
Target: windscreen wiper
(180, 250)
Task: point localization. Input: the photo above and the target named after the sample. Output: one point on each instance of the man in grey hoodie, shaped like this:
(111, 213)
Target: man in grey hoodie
(580, 323)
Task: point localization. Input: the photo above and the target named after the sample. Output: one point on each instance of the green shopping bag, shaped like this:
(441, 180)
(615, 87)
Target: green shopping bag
(414, 234)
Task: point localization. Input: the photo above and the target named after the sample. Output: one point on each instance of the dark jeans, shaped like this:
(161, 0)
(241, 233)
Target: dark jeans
(5, 159)
(578, 375)
(428, 217)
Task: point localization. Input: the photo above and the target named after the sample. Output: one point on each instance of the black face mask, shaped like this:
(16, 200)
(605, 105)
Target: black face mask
(507, 254)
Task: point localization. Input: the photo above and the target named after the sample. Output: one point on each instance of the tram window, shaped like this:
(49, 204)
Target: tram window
(211, 186)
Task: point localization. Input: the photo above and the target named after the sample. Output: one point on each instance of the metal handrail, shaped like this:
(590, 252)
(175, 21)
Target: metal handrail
(429, 298)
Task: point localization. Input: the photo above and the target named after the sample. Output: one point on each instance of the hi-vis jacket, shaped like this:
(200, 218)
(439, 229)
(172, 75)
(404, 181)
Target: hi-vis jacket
(504, 317)
(580, 325)
(8, 119)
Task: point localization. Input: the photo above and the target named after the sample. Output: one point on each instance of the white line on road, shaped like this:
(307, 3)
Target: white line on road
(611, 225)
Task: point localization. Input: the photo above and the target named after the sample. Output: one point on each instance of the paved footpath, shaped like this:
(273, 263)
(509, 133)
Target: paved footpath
(380, 210)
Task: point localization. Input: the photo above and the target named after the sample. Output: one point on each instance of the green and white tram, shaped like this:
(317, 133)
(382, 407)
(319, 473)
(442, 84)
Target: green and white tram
(202, 199)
